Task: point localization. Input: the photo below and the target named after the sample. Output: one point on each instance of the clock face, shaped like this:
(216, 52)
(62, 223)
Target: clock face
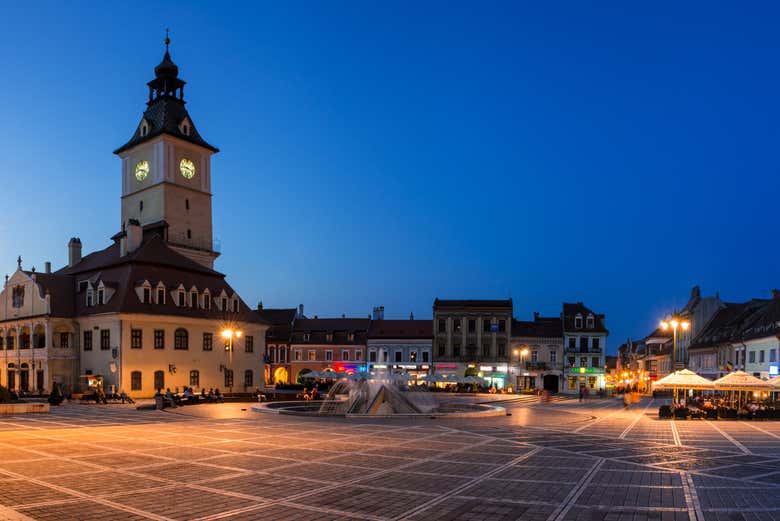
(187, 168)
(141, 170)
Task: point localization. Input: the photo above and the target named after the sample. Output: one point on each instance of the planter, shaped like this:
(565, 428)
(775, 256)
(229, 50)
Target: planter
(23, 408)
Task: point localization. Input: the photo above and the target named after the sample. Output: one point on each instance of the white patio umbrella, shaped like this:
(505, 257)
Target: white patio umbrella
(683, 379)
(741, 381)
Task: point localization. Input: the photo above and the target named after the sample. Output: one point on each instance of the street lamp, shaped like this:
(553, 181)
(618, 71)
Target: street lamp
(675, 323)
(524, 353)
(229, 335)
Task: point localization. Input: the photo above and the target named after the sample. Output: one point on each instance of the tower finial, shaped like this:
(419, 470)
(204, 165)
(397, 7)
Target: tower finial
(167, 39)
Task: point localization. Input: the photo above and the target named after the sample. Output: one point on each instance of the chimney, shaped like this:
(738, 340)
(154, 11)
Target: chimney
(411, 315)
(134, 236)
(300, 311)
(379, 313)
(47, 267)
(775, 294)
(536, 315)
(74, 251)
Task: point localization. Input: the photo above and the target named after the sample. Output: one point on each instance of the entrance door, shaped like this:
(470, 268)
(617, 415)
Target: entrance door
(550, 383)
(39, 380)
(24, 380)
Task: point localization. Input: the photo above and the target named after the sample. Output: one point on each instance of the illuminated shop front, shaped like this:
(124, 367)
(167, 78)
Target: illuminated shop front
(591, 378)
(495, 375)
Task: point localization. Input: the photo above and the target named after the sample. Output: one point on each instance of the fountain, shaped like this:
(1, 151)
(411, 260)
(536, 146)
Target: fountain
(381, 395)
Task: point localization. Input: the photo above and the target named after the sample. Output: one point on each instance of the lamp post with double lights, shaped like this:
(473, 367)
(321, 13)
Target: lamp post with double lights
(675, 323)
(229, 335)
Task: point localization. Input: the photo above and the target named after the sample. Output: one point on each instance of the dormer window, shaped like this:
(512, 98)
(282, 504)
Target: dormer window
(578, 322)
(147, 298)
(144, 129)
(182, 303)
(206, 300)
(590, 322)
(235, 305)
(224, 304)
(329, 337)
(185, 129)
(100, 296)
(306, 337)
(90, 297)
(160, 295)
(194, 299)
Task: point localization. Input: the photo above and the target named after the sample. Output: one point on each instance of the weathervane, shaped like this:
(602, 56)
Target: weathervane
(167, 39)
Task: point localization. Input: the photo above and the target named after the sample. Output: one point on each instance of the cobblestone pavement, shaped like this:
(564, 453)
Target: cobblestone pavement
(560, 461)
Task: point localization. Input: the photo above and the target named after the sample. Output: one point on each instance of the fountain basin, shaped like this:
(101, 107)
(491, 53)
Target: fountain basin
(444, 410)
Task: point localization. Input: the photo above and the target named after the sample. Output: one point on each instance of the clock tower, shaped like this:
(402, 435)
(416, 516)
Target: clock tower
(166, 170)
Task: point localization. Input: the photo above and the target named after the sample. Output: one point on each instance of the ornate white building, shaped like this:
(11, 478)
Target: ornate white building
(148, 311)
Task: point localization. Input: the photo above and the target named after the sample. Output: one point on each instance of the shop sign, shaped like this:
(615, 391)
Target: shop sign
(446, 366)
(502, 368)
(774, 370)
(405, 366)
(379, 366)
(586, 370)
(488, 368)
(425, 366)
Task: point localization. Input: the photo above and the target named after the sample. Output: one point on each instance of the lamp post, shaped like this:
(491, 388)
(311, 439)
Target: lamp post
(675, 323)
(229, 335)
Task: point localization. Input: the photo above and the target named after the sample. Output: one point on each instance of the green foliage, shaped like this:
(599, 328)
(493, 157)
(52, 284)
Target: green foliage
(471, 371)
(5, 395)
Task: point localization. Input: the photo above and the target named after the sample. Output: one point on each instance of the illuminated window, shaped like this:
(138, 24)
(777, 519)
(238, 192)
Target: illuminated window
(312, 355)
(194, 378)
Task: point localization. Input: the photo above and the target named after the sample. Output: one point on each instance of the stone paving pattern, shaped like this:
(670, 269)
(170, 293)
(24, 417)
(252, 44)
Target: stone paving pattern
(559, 461)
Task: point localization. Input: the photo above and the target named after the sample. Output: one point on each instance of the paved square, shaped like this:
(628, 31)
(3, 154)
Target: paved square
(548, 462)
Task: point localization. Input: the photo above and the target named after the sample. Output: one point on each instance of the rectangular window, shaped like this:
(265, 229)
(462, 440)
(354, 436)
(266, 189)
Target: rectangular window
(595, 343)
(752, 357)
(413, 356)
(442, 326)
(159, 339)
(208, 342)
(442, 348)
(87, 340)
(228, 378)
(578, 322)
(397, 355)
(9, 343)
(105, 339)
(194, 378)
(235, 306)
(328, 355)
(101, 299)
(456, 349)
(553, 357)
(594, 362)
(298, 355)
(584, 344)
(486, 349)
(89, 298)
(147, 299)
(249, 344)
(773, 355)
(357, 356)
(136, 338)
(345, 355)
(181, 299)
(456, 325)
(64, 340)
(193, 300)
(135, 381)
(160, 296)
(384, 356)
(761, 356)
(502, 325)
(571, 361)
(249, 378)
(472, 325)
(425, 357)
(372, 356)
(312, 355)
(306, 337)
(534, 356)
(486, 325)
(501, 349)
(584, 361)
(572, 343)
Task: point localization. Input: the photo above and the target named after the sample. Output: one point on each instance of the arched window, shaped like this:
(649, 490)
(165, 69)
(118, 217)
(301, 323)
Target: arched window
(135, 380)
(159, 380)
(194, 378)
(249, 378)
(181, 339)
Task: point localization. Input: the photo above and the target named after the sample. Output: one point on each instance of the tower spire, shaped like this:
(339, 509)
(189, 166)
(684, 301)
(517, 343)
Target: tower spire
(167, 40)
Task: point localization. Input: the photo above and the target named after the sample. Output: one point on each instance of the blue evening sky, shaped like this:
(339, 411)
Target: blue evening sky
(391, 152)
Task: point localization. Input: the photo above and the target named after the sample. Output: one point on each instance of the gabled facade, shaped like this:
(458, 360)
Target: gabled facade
(584, 345)
(541, 367)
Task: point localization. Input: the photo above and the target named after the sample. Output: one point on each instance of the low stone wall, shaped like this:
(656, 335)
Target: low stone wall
(23, 408)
